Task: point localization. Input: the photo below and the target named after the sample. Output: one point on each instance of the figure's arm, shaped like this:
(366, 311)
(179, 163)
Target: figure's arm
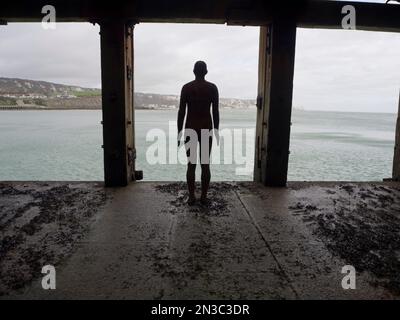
(215, 113)
(215, 108)
(181, 113)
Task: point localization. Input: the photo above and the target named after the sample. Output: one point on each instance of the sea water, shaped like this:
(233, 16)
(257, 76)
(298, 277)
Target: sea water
(66, 145)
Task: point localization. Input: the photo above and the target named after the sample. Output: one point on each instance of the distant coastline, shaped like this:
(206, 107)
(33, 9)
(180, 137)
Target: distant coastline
(142, 102)
(43, 108)
(23, 94)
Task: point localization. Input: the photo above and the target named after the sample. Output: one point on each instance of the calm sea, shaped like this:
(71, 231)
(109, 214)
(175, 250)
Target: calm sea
(66, 145)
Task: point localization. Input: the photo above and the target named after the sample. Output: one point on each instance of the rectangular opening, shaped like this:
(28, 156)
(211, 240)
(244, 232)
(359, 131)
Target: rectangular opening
(164, 59)
(345, 105)
(50, 103)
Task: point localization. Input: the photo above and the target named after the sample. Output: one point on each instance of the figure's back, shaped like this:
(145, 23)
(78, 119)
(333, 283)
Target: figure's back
(199, 94)
(195, 103)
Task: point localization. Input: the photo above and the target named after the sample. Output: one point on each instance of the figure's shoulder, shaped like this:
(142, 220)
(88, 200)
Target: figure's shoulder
(212, 86)
(187, 85)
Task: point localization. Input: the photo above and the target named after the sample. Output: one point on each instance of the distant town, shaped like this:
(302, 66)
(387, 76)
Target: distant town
(22, 94)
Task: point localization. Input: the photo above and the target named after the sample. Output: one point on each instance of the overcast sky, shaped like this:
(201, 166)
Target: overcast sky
(335, 69)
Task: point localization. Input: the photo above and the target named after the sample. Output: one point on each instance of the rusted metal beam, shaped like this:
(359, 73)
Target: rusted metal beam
(137, 10)
(264, 66)
(276, 72)
(369, 16)
(396, 158)
(307, 13)
(117, 102)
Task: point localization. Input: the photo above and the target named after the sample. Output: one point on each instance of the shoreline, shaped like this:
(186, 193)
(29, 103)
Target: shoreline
(45, 109)
(94, 109)
(148, 109)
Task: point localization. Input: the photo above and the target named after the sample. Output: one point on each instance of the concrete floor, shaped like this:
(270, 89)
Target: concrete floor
(249, 242)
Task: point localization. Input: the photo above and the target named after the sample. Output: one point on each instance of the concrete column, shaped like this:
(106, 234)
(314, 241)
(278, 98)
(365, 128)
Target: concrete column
(396, 158)
(117, 102)
(274, 101)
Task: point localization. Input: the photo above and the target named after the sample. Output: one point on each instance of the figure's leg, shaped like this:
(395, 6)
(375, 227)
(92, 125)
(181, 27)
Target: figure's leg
(205, 167)
(190, 179)
(191, 153)
(205, 181)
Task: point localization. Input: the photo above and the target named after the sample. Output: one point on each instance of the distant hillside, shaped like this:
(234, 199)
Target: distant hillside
(32, 94)
(15, 86)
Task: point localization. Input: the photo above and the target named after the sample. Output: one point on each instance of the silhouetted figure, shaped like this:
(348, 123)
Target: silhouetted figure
(198, 96)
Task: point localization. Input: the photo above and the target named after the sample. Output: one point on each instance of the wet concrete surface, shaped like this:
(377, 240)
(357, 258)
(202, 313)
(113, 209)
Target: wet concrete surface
(40, 223)
(247, 242)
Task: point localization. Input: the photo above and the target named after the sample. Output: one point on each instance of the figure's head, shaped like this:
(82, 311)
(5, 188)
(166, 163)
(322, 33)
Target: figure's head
(200, 69)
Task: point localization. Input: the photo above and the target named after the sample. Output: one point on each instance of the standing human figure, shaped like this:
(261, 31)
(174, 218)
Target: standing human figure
(198, 97)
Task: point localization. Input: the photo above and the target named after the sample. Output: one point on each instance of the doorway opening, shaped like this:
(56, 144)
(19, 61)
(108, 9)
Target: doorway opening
(164, 59)
(50, 101)
(345, 104)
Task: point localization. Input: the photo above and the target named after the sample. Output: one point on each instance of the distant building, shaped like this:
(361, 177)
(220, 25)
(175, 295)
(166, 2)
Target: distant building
(23, 96)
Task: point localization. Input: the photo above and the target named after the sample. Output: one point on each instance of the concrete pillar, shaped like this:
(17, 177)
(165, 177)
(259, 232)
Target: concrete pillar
(396, 158)
(117, 102)
(274, 102)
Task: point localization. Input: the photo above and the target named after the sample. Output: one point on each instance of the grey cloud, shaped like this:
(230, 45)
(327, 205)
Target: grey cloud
(171, 51)
(347, 70)
(70, 54)
(335, 69)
